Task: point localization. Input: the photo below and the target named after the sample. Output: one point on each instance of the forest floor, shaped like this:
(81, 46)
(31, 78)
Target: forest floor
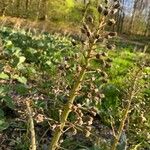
(138, 42)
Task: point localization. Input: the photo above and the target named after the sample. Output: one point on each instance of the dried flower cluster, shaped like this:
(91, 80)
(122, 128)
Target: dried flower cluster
(94, 34)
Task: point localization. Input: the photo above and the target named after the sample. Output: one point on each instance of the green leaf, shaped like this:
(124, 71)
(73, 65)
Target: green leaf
(1, 113)
(9, 102)
(22, 80)
(21, 59)
(3, 124)
(4, 76)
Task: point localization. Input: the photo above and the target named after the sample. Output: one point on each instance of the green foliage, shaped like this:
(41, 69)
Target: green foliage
(36, 62)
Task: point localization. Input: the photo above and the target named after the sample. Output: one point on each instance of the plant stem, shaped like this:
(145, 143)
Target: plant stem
(67, 107)
(33, 140)
(126, 112)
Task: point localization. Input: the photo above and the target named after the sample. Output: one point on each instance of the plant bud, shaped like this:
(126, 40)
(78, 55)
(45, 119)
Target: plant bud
(111, 22)
(100, 9)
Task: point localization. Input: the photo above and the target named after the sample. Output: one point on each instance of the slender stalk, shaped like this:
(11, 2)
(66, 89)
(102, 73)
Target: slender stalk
(67, 107)
(125, 115)
(33, 139)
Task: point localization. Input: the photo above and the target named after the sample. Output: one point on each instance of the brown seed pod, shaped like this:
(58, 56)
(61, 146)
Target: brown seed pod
(80, 121)
(114, 11)
(74, 108)
(101, 96)
(93, 111)
(90, 19)
(109, 60)
(89, 95)
(100, 8)
(104, 74)
(83, 31)
(110, 46)
(74, 131)
(89, 122)
(88, 32)
(93, 78)
(116, 5)
(74, 43)
(105, 12)
(98, 56)
(96, 90)
(104, 54)
(108, 65)
(104, 80)
(87, 133)
(111, 22)
(112, 33)
(106, 1)
(61, 67)
(88, 128)
(79, 68)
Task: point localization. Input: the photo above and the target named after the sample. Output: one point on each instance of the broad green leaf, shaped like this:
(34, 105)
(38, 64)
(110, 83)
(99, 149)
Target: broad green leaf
(21, 59)
(9, 102)
(1, 113)
(3, 124)
(4, 76)
(22, 80)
